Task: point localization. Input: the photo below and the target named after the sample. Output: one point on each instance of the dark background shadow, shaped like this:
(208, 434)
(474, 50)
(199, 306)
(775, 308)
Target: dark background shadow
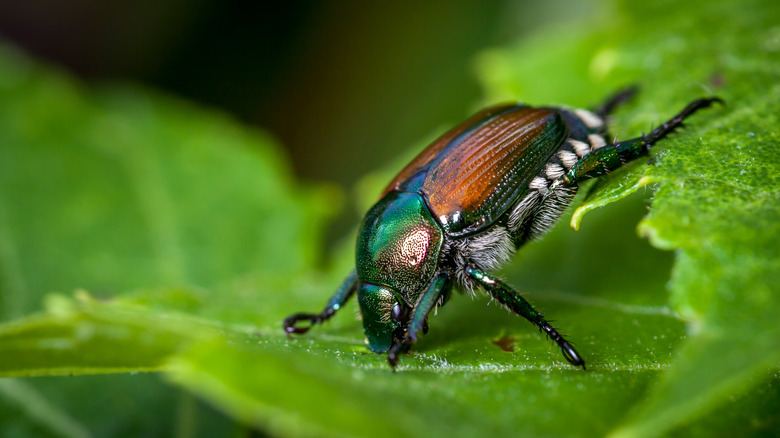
(344, 86)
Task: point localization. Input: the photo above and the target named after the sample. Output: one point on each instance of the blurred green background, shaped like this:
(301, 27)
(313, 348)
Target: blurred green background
(343, 85)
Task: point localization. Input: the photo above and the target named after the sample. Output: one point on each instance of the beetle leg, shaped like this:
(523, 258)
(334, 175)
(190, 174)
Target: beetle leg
(609, 106)
(336, 302)
(614, 101)
(418, 321)
(517, 304)
(608, 158)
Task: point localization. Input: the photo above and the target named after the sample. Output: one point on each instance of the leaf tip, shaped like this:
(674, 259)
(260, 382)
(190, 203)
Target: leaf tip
(576, 218)
(59, 305)
(648, 231)
(645, 181)
(82, 296)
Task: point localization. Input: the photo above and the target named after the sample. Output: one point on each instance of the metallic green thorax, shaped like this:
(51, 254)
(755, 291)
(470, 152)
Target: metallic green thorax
(398, 245)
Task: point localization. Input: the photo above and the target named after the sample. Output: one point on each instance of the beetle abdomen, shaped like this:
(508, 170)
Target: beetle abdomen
(539, 208)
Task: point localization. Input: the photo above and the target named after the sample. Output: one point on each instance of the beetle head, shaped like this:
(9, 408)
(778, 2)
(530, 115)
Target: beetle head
(384, 316)
(396, 256)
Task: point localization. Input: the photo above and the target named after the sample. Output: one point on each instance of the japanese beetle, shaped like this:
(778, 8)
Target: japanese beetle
(464, 205)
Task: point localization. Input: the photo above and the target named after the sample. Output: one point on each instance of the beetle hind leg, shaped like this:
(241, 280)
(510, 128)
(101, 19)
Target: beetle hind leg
(677, 121)
(517, 304)
(597, 119)
(606, 159)
(614, 101)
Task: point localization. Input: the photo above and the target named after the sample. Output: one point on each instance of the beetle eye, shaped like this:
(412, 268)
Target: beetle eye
(396, 312)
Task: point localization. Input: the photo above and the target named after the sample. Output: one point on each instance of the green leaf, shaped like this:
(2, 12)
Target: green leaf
(198, 223)
(118, 189)
(46, 419)
(716, 203)
(115, 189)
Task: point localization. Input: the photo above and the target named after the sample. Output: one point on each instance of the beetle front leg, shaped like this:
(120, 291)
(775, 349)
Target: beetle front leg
(422, 308)
(517, 304)
(336, 302)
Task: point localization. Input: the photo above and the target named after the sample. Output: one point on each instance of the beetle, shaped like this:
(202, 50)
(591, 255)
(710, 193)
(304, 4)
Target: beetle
(465, 204)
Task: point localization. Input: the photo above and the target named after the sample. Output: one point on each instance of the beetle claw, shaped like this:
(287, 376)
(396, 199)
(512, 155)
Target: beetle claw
(400, 347)
(290, 322)
(392, 357)
(571, 354)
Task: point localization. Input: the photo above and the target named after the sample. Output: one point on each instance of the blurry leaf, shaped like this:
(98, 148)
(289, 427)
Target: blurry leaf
(46, 418)
(117, 189)
(128, 191)
(120, 189)
(85, 337)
